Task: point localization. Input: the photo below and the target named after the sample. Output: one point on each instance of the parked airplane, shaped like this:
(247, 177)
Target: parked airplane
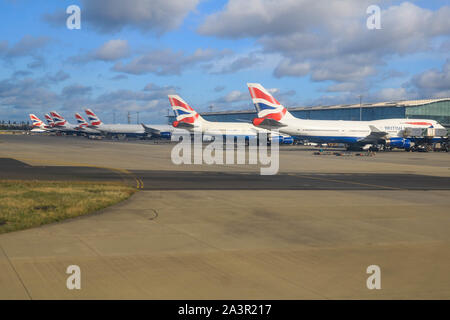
(61, 124)
(139, 130)
(49, 120)
(38, 125)
(355, 134)
(187, 117)
(84, 126)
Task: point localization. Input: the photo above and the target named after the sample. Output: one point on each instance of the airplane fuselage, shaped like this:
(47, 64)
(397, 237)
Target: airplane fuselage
(238, 130)
(226, 128)
(350, 132)
(121, 128)
(67, 128)
(135, 129)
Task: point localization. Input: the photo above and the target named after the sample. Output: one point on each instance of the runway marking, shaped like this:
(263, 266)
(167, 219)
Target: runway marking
(17, 273)
(139, 182)
(350, 182)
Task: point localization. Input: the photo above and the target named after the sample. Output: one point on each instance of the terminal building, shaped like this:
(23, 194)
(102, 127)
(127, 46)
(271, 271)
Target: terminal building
(434, 109)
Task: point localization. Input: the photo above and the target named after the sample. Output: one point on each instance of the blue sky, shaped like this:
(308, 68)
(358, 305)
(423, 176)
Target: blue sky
(128, 56)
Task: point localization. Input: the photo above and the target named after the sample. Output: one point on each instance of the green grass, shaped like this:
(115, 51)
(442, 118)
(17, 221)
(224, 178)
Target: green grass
(27, 204)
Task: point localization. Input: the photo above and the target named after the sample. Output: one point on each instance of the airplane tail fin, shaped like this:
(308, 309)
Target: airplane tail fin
(185, 114)
(80, 120)
(93, 119)
(49, 120)
(36, 122)
(268, 108)
(58, 119)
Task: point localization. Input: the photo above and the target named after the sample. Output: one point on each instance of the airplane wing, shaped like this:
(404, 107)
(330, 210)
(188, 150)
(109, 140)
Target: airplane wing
(183, 125)
(270, 124)
(150, 130)
(375, 135)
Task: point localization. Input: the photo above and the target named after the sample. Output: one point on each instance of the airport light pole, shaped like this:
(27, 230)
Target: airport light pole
(360, 107)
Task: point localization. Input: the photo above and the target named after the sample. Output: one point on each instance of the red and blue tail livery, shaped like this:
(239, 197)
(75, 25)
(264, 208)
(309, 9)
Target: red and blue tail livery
(266, 105)
(58, 119)
(80, 120)
(93, 119)
(184, 113)
(36, 122)
(49, 120)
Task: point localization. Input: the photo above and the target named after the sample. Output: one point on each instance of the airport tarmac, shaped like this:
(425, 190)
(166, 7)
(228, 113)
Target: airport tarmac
(137, 155)
(210, 232)
(13, 169)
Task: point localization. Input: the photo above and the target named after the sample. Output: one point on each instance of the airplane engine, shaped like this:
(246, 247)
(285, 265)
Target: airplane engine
(166, 135)
(288, 140)
(279, 139)
(400, 143)
(282, 139)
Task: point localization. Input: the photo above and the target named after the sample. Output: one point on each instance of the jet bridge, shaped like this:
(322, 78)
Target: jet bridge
(424, 139)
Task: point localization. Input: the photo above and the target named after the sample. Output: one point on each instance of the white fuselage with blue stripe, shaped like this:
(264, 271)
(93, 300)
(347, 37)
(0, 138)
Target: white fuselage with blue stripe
(237, 129)
(135, 129)
(350, 132)
(272, 114)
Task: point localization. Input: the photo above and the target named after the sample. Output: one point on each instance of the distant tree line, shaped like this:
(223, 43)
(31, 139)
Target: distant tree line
(15, 125)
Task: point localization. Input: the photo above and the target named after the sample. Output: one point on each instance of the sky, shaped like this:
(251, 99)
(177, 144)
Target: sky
(129, 55)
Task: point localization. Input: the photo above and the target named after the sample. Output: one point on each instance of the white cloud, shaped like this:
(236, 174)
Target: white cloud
(392, 94)
(254, 18)
(235, 64)
(344, 87)
(28, 45)
(22, 95)
(146, 15)
(241, 100)
(432, 83)
(289, 68)
(329, 40)
(235, 96)
(113, 50)
(167, 61)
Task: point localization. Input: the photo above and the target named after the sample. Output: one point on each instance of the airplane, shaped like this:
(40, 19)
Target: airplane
(354, 134)
(137, 130)
(38, 125)
(49, 120)
(84, 126)
(62, 125)
(188, 118)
